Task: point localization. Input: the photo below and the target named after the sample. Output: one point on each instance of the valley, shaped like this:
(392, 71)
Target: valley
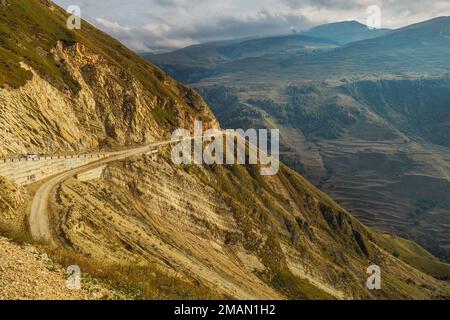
(146, 228)
(366, 121)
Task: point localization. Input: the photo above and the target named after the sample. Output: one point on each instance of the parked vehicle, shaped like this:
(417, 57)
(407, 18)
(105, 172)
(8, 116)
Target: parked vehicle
(32, 156)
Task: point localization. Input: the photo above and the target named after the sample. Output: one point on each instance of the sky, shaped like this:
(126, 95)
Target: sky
(163, 25)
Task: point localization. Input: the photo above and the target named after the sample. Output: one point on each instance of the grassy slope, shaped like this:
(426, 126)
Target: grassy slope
(29, 31)
(416, 256)
(343, 234)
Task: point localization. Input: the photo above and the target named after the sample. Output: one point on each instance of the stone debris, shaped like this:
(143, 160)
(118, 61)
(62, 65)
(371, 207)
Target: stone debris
(28, 274)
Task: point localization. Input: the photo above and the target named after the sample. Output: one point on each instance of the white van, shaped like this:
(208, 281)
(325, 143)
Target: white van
(32, 156)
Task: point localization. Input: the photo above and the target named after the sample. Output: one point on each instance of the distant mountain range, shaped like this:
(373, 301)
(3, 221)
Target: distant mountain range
(363, 113)
(159, 230)
(345, 32)
(199, 61)
(403, 52)
(419, 49)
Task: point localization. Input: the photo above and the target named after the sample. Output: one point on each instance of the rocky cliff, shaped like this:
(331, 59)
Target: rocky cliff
(180, 231)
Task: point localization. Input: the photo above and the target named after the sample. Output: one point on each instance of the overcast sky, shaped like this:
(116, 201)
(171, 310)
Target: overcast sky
(154, 25)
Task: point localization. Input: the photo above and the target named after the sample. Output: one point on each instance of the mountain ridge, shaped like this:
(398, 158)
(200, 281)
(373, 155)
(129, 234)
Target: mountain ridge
(365, 121)
(213, 231)
(345, 32)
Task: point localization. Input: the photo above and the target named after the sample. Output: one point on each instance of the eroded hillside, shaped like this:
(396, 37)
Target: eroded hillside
(226, 227)
(367, 122)
(107, 96)
(162, 230)
(379, 148)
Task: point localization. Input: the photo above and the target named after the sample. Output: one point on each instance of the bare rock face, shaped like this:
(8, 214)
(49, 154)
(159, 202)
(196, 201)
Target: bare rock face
(48, 3)
(225, 228)
(11, 196)
(110, 108)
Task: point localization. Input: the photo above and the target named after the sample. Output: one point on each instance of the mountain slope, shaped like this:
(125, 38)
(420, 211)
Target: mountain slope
(368, 122)
(345, 32)
(412, 50)
(227, 227)
(418, 50)
(181, 231)
(80, 89)
(196, 62)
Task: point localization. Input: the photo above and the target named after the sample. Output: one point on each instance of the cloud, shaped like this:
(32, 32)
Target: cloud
(160, 35)
(155, 25)
(111, 25)
(339, 4)
(227, 27)
(395, 13)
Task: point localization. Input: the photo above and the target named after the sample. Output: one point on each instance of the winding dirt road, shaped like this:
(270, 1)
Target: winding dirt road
(38, 219)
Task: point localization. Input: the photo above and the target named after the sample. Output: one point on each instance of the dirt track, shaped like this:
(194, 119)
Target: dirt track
(38, 219)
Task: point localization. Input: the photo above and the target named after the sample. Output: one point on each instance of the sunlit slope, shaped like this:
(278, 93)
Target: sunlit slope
(368, 122)
(88, 91)
(209, 231)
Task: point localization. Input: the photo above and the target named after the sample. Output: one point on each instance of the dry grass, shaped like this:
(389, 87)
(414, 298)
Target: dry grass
(144, 281)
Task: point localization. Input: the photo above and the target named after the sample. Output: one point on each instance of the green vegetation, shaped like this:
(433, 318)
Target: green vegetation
(29, 32)
(324, 121)
(163, 117)
(296, 288)
(416, 256)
